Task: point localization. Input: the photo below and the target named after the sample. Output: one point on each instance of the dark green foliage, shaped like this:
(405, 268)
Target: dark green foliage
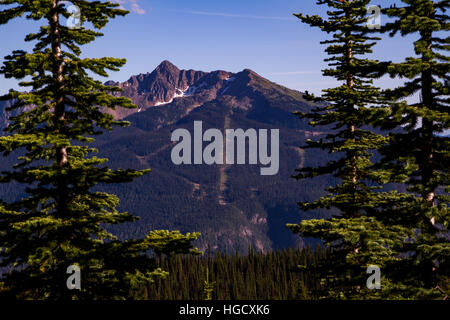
(257, 276)
(60, 220)
(404, 233)
(419, 154)
(352, 231)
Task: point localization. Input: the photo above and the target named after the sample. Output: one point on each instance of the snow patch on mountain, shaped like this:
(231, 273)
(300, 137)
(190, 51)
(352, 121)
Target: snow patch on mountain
(179, 93)
(227, 80)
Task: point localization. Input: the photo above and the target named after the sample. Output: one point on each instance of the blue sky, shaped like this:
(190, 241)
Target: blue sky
(231, 35)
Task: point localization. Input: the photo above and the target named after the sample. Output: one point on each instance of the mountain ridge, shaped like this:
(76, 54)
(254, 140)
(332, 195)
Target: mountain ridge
(167, 82)
(233, 206)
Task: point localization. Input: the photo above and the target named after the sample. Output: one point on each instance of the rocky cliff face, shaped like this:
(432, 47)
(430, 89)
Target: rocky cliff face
(165, 84)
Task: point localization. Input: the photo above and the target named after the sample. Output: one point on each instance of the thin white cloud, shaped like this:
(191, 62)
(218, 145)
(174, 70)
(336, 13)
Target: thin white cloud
(232, 15)
(291, 73)
(137, 9)
(134, 6)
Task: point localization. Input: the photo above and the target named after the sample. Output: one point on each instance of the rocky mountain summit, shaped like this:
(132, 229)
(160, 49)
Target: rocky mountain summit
(167, 83)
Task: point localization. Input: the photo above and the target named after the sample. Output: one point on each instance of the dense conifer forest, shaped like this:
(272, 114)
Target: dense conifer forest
(273, 275)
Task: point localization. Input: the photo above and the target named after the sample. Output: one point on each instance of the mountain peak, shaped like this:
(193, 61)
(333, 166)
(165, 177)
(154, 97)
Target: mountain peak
(250, 72)
(167, 65)
(167, 84)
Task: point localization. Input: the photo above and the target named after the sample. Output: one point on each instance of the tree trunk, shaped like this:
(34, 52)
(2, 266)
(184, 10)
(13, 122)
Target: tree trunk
(427, 130)
(59, 109)
(61, 153)
(351, 127)
(427, 163)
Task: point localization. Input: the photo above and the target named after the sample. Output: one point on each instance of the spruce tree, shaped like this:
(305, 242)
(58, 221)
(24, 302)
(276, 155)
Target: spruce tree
(417, 152)
(353, 233)
(208, 286)
(61, 218)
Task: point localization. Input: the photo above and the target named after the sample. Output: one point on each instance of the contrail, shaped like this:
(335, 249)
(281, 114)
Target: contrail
(232, 15)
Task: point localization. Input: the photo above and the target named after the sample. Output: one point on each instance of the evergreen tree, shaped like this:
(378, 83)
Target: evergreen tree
(417, 153)
(353, 233)
(208, 288)
(60, 220)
